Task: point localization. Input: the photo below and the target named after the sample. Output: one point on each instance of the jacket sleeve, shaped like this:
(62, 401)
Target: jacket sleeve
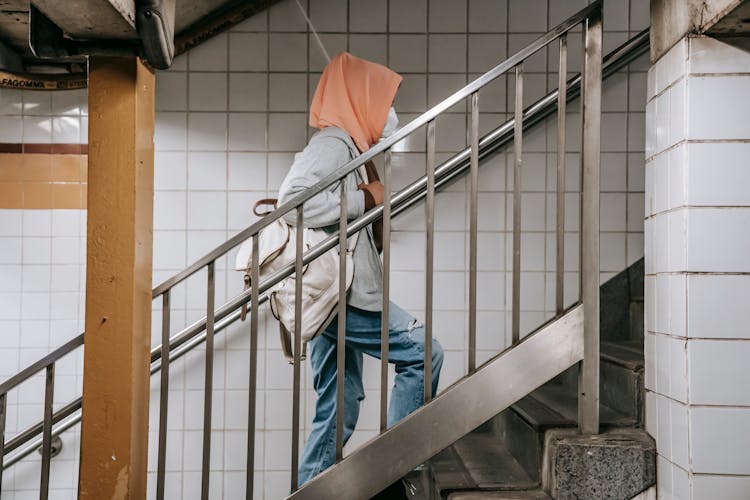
(318, 160)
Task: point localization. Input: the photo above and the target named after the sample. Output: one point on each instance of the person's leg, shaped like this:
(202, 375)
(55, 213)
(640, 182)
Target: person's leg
(406, 348)
(406, 351)
(320, 448)
(408, 356)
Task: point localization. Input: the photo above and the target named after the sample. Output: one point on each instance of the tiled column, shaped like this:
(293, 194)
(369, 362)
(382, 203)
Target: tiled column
(697, 237)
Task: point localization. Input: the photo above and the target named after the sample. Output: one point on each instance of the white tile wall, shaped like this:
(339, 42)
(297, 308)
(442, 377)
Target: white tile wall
(696, 264)
(230, 115)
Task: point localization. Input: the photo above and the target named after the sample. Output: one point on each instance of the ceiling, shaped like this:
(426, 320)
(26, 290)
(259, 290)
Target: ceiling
(195, 21)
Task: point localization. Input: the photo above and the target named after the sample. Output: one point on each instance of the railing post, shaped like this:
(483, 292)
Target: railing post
(560, 230)
(384, 321)
(518, 161)
(473, 227)
(163, 395)
(591, 89)
(253, 368)
(299, 245)
(49, 392)
(209, 380)
(341, 324)
(429, 259)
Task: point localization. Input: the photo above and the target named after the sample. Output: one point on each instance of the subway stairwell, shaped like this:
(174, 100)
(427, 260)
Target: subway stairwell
(550, 416)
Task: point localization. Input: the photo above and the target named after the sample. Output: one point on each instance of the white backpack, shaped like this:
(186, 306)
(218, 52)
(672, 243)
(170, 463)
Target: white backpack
(320, 278)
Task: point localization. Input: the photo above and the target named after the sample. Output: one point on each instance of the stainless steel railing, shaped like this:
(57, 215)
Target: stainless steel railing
(216, 320)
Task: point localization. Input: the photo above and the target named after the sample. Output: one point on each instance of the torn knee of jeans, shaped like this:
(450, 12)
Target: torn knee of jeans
(413, 325)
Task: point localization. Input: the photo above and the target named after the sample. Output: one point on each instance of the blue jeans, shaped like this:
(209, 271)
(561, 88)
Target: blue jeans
(405, 350)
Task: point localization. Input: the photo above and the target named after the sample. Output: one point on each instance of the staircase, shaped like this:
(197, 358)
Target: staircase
(511, 455)
(504, 424)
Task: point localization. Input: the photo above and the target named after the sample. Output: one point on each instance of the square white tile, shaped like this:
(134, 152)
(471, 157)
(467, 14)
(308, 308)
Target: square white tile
(717, 174)
(286, 132)
(170, 170)
(718, 370)
(447, 53)
(715, 240)
(207, 131)
(170, 131)
(370, 47)
(329, 15)
(286, 16)
(369, 16)
(288, 52)
(488, 16)
(409, 17)
(247, 131)
(248, 52)
(719, 443)
(288, 92)
(210, 55)
(208, 91)
(528, 16)
(207, 171)
(448, 16)
(171, 91)
(206, 210)
(717, 306)
(709, 97)
(247, 171)
(408, 53)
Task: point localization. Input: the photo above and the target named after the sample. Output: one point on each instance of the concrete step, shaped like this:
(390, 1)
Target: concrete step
(622, 378)
(552, 406)
(565, 402)
(478, 463)
(621, 383)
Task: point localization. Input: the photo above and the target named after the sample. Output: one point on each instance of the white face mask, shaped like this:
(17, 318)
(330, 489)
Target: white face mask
(391, 122)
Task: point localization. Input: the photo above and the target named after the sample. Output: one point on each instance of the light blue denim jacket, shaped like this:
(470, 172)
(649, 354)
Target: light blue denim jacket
(329, 149)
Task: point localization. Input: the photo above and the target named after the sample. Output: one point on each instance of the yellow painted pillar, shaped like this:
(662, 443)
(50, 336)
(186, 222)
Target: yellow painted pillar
(114, 429)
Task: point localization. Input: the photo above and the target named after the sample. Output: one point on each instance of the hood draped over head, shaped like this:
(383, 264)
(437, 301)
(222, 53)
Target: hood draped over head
(354, 95)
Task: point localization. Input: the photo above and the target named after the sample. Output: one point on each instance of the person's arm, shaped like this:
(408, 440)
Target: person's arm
(317, 161)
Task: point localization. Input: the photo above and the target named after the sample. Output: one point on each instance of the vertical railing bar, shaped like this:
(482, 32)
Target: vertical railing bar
(473, 228)
(297, 346)
(163, 394)
(341, 337)
(209, 380)
(517, 152)
(562, 82)
(3, 413)
(254, 278)
(385, 318)
(588, 382)
(49, 391)
(429, 258)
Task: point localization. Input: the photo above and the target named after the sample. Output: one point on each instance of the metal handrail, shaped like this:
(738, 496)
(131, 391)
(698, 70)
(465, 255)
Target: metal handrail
(379, 148)
(190, 337)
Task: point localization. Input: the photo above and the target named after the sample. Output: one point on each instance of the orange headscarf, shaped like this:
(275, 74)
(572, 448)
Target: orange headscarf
(354, 95)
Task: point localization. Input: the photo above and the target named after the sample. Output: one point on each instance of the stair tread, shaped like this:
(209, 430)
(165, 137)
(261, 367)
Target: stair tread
(566, 404)
(500, 495)
(489, 462)
(554, 405)
(478, 461)
(628, 354)
(534, 411)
